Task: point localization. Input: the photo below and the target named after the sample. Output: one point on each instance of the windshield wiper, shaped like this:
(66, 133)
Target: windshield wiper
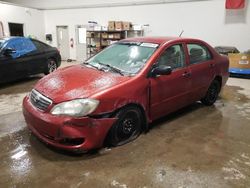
(86, 63)
(114, 69)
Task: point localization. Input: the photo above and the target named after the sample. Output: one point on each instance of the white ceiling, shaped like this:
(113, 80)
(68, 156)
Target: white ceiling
(71, 4)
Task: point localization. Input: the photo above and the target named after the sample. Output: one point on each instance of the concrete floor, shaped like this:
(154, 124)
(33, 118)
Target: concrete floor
(195, 147)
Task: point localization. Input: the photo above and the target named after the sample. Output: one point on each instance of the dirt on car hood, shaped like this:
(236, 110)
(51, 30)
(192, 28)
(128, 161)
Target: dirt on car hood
(77, 81)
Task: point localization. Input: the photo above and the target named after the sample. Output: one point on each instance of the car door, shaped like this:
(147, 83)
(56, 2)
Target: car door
(170, 92)
(13, 66)
(38, 62)
(21, 58)
(33, 57)
(6, 68)
(201, 65)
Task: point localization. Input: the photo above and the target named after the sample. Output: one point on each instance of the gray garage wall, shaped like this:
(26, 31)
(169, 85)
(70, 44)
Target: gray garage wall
(32, 19)
(207, 20)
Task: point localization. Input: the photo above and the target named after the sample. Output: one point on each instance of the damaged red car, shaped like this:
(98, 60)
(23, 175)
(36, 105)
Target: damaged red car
(115, 95)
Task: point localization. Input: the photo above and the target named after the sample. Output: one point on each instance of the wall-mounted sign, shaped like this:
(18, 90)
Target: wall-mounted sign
(81, 35)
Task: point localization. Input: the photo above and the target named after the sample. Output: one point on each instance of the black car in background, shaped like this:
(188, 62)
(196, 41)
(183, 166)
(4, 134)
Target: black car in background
(21, 57)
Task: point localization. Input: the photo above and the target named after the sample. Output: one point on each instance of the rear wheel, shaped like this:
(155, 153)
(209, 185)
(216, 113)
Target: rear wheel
(127, 128)
(212, 93)
(52, 66)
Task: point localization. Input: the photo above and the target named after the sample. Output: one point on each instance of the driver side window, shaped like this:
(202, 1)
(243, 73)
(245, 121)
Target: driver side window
(173, 57)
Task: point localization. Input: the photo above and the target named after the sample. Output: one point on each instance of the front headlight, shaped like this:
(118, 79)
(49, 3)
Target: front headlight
(76, 108)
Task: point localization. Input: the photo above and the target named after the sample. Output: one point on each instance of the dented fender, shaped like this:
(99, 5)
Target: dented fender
(123, 95)
(93, 130)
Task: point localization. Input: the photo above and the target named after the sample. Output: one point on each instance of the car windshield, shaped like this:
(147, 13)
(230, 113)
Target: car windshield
(124, 57)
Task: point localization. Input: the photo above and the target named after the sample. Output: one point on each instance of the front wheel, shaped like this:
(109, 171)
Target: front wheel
(52, 66)
(212, 93)
(127, 128)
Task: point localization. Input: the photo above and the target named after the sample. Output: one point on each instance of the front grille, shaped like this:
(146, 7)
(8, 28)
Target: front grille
(72, 141)
(39, 101)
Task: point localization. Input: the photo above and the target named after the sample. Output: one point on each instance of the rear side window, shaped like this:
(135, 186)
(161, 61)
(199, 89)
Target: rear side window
(198, 53)
(39, 45)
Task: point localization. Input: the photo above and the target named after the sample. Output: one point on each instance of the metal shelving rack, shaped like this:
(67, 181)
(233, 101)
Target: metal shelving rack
(98, 40)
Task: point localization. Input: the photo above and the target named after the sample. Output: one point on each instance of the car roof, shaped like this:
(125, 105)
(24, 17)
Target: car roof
(158, 40)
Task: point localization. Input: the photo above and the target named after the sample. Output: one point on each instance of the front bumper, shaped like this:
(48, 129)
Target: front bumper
(76, 134)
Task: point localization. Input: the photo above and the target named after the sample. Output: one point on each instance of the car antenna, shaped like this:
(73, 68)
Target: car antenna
(181, 33)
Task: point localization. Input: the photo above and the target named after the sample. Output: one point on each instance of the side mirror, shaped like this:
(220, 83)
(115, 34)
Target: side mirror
(9, 51)
(161, 70)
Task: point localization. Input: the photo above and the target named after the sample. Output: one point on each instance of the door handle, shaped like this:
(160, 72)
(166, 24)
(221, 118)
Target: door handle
(186, 74)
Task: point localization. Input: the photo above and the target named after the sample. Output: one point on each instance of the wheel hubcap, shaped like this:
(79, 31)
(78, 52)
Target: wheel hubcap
(127, 126)
(52, 66)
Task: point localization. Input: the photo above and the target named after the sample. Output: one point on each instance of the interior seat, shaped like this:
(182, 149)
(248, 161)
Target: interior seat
(196, 55)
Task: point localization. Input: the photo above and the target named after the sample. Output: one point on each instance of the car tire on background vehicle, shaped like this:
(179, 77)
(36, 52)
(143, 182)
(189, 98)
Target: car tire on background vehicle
(51, 66)
(212, 93)
(127, 128)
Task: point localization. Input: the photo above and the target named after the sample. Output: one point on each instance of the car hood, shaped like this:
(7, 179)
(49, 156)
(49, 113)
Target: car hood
(77, 81)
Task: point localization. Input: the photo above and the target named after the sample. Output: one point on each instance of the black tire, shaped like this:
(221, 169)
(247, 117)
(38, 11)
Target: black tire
(127, 128)
(51, 66)
(212, 93)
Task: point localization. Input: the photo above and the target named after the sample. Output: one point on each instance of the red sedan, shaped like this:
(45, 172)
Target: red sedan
(112, 97)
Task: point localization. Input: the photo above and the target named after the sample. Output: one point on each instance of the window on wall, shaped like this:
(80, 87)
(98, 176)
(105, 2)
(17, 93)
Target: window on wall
(198, 53)
(16, 29)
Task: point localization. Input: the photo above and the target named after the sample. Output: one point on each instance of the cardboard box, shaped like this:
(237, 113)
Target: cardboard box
(111, 28)
(111, 25)
(118, 26)
(104, 35)
(126, 25)
(97, 44)
(239, 60)
(105, 43)
(89, 34)
(117, 35)
(110, 36)
(97, 34)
